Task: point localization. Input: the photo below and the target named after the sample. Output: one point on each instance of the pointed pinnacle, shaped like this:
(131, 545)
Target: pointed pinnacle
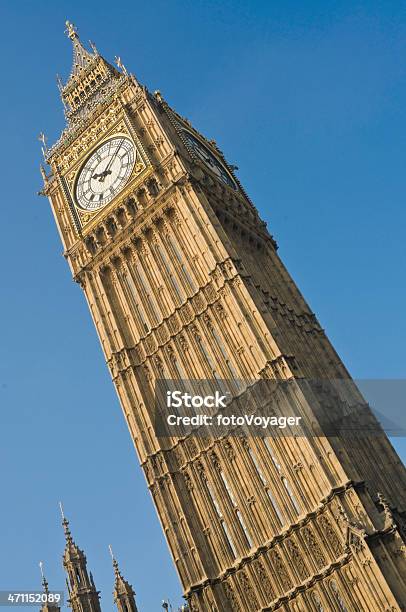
(44, 580)
(61, 509)
(65, 524)
(71, 30)
(115, 563)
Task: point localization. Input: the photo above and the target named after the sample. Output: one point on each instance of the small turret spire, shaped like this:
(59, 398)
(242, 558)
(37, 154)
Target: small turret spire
(47, 607)
(44, 580)
(83, 594)
(124, 596)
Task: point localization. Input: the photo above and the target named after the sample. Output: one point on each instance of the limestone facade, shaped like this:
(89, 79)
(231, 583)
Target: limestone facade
(184, 281)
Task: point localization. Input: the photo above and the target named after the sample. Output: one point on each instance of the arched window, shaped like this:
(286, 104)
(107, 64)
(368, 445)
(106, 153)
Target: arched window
(317, 602)
(135, 301)
(285, 481)
(337, 596)
(144, 282)
(271, 452)
(182, 265)
(268, 491)
(244, 528)
(238, 513)
(222, 521)
(207, 356)
(224, 353)
(291, 495)
(170, 273)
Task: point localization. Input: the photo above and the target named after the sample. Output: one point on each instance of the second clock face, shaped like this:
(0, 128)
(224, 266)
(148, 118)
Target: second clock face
(209, 159)
(105, 173)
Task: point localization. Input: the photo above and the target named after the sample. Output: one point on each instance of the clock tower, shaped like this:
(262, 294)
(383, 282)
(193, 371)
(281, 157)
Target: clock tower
(184, 281)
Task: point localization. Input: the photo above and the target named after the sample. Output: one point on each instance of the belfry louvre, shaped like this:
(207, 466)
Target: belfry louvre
(184, 281)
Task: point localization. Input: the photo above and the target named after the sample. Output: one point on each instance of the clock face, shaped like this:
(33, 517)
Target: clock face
(208, 158)
(105, 173)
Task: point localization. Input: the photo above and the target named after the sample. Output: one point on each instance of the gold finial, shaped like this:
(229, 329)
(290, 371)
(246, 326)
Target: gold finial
(71, 30)
(119, 64)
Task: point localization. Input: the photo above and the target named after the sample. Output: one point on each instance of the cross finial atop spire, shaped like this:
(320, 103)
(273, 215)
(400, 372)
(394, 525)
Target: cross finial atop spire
(71, 30)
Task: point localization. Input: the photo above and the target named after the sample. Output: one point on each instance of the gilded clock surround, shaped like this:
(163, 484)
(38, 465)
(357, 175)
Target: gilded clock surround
(181, 275)
(105, 173)
(141, 167)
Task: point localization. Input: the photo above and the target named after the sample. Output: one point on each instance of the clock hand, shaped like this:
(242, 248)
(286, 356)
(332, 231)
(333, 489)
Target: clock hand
(107, 169)
(101, 176)
(95, 176)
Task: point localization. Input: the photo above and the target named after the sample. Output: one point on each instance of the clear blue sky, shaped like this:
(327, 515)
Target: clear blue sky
(309, 100)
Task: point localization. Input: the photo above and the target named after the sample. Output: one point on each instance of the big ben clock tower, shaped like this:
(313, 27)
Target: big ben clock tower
(183, 281)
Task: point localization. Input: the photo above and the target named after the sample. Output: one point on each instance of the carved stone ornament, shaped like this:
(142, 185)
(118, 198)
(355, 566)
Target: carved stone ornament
(389, 521)
(314, 547)
(188, 481)
(280, 570)
(297, 560)
(248, 591)
(331, 535)
(231, 596)
(265, 581)
(355, 541)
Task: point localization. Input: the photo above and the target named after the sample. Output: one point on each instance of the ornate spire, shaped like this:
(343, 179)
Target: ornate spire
(124, 596)
(81, 57)
(47, 607)
(91, 80)
(83, 594)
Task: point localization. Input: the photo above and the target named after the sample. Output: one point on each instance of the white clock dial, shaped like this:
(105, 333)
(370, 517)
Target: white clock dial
(208, 158)
(105, 173)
